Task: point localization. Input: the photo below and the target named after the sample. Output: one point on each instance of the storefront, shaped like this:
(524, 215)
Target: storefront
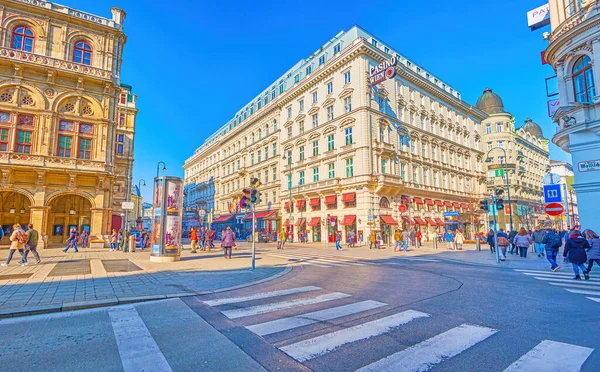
(300, 228)
(407, 223)
(388, 227)
(315, 229)
(349, 223)
(332, 228)
(266, 224)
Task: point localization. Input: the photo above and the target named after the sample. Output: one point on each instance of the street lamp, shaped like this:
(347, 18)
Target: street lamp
(284, 158)
(140, 191)
(488, 159)
(158, 167)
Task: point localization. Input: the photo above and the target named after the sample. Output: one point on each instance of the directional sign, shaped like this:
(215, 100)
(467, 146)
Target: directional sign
(450, 214)
(554, 209)
(499, 172)
(552, 194)
(551, 179)
(127, 206)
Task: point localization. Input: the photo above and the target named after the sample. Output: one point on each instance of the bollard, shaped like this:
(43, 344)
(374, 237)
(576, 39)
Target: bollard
(478, 243)
(435, 241)
(131, 245)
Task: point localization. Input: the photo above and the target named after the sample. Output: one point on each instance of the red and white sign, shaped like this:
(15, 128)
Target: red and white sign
(543, 55)
(553, 105)
(507, 209)
(402, 208)
(554, 209)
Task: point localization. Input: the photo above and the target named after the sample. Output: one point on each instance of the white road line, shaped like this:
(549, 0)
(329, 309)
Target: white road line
(581, 286)
(364, 261)
(137, 348)
(548, 272)
(559, 280)
(554, 276)
(314, 347)
(552, 356)
(285, 324)
(303, 262)
(330, 260)
(594, 299)
(423, 356)
(268, 308)
(259, 296)
(415, 259)
(579, 291)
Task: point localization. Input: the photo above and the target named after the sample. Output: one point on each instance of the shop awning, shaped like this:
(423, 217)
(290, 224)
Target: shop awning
(440, 222)
(349, 220)
(348, 197)
(261, 215)
(430, 221)
(314, 221)
(420, 221)
(332, 218)
(447, 204)
(464, 206)
(456, 205)
(472, 207)
(388, 220)
(408, 220)
(300, 221)
(287, 206)
(315, 202)
(223, 218)
(418, 201)
(439, 203)
(301, 203)
(331, 199)
(428, 201)
(405, 199)
(287, 222)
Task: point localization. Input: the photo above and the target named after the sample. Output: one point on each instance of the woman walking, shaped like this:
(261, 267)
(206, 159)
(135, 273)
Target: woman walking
(575, 249)
(281, 239)
(72, 241)
(490, 240)
(113, 241)
(459, 239)
(593, 254)
(522, 241)
(18, 238)
(208, 239)
(228, 241)
(449, 237)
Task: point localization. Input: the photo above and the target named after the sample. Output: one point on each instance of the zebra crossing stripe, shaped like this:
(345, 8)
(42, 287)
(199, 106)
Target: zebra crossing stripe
(317, 346)
(567, 277)
(345, 262)
(587, 283)
(268, 308)
(285, 324)
(531, 272)
(300, 262)
(423, 356)
(594, 299)
(581, 286)
(579, 291)
(259, 296)
(552, 356)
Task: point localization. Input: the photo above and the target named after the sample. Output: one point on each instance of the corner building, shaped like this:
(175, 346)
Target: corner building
(335, 154)
(66, 122)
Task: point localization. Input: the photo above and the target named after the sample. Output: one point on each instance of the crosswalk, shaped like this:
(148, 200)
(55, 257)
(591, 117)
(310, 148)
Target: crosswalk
(589, 288)
(327, 261)
(362, 320)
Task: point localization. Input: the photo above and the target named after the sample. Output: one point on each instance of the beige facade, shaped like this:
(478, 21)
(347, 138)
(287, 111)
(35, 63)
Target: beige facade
(66, 122)
(329, 147)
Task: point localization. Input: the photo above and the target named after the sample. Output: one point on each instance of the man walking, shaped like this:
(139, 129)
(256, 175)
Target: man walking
(32, 242)
(338, 240)
(398, 240)
(351, 239)
(72, 241)
(405, 239)
(538, 238)
(17, 242)
(84, 239)
(552, 243)
(194, 239)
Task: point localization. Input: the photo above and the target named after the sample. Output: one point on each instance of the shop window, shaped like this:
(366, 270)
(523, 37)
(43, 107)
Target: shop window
(23, 39)
(82, 53)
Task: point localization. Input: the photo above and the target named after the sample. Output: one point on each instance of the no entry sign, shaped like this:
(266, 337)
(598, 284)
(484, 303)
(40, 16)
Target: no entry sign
(554, 209)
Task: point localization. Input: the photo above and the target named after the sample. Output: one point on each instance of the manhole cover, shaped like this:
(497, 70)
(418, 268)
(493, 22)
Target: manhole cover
(15, 276)
(71, 267)
(115, 266)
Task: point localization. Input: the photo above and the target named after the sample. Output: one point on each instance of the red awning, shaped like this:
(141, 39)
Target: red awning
(301, 203)
(439, 203)
(456, 205)
(406, 199)
(331, 199)
(440, 222)
(349, 220)
(261, 215)
(418, 200)
(287, 206)
(464, 206)
(447, 204)
(314, 221)
(315, 202)
(428, 201)
(301, 221)
(430, 221)
(388, 220)
(471, 207)
(349, 197)
(408, 220)
(223, 218)
(420, 221)
(332, 218)
(287, 222)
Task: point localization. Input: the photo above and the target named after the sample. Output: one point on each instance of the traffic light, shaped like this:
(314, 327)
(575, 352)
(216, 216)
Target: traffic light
(253, 196)
(499, 200)
(485, 205)
(254, 182)
(245, 199)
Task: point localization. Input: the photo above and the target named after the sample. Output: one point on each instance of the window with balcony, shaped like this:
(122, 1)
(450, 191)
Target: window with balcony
(315, 174)
(82, 52)
(331, 171)
(583, 80)
(349, 167)
(330, 113)
(315, 148)
(23, 38)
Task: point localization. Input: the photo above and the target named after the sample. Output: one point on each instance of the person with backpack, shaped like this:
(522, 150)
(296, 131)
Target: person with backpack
(552, 243)
(72, 241)
(593, 254)
(575, 248)
(522, 241)
(18, 238)
(503, 243)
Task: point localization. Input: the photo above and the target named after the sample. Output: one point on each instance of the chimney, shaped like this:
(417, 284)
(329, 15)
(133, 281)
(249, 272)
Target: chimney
(118, 15)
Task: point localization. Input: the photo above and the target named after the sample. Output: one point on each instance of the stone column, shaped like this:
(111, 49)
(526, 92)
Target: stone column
(99, 221)
(39, 219)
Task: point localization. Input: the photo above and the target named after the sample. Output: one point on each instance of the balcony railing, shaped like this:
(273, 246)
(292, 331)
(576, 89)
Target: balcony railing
(53, 162)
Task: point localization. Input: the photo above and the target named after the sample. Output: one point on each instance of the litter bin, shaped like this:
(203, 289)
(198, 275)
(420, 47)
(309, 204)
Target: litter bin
(131, 245)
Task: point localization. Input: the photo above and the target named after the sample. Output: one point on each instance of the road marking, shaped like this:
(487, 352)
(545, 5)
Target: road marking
(554, 276)
(581, 286)
(594, 299)
(557, 273)
(314, 347)
(137, 348)
(592, 293)
(299, 262)
(285, 324)
(259, 296)
(423, 356)
(552, 356)
(416, 259)
(268, 308)
(329, 260)
(568, 281)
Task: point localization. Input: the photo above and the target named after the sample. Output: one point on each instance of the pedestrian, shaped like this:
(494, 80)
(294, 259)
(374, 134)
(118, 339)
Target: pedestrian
(538, 238)
(194, 239)
(32, 242)
(207, 238)
(290, 237)
(511, 238)
(503, 243)
(449, 238)
(201, 237)
(18, 238)
(360, 239)
(459, 239)
(413, 238)
(350, 238)
(227, 241)
(283, 238)
(575, 249)
(145, 237)
(419, 237)
(405, 239)
(522, 241)
(490, 240)
(84, 238)
(593, 254)
(72, 241)
(338, 240)
(552, 243)
(372, 239)
(398, 240)
(113, 240)
(120, 240)
(213, 237)
(305, 237)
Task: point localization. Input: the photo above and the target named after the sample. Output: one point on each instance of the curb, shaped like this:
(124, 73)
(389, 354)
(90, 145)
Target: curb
(113, 301)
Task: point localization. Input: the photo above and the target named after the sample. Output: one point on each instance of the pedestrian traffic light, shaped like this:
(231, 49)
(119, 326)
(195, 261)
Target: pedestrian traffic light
(499, 200)
(254, 195)
(258, 200)
(485, 205)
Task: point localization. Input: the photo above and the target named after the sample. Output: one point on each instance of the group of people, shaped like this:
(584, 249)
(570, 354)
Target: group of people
(205, 238)
(73, 238)
(23, 242)
(454, 239)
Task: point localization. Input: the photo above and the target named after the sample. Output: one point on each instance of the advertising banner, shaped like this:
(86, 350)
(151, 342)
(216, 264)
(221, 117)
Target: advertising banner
(168, 217)
(538, 17)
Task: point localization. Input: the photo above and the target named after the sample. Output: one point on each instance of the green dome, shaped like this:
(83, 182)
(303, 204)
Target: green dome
(490, 102)
(533, 128)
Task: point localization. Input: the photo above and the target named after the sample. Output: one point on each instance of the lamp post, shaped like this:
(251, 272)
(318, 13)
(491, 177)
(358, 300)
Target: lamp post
(503, 163)
(140, 200)
(284, 158)
(154, 196)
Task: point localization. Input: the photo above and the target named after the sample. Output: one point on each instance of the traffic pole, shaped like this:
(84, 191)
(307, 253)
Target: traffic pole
(567, 206)
(495, 230)
(253, 237)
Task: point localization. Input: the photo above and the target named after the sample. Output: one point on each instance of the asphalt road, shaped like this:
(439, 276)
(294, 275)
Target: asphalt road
(332, 313)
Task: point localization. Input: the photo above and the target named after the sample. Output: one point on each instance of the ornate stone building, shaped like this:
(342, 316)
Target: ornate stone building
(66, 122)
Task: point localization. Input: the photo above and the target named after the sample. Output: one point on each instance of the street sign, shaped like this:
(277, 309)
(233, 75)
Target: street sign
(402, 208)
(551, 179)
(502, 166)
(127, 206)
(499, 172)
(450, 214)
(552, 194)
(201, 213)
(507, 209)
(554, 209)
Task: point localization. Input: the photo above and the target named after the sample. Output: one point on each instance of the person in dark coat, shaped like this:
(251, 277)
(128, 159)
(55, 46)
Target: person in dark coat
(575, 249)
(593, 254)
(490, 241)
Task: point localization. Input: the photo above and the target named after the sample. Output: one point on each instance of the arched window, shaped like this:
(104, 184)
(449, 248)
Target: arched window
(384, 202)
(23, 38)
(583, 80)
(82, 52)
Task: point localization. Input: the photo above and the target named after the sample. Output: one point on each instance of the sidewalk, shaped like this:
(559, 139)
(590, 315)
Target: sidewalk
(97, 277)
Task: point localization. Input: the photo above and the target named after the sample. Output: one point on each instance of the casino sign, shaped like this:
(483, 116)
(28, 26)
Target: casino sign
(382, 71)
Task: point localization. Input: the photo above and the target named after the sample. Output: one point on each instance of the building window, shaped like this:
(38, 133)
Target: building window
(23, 38)
(4, 139)
(281, 89)
(500, 144)
(499, 127)
(331, 170)
(289, 157)
(488, 128)
(289, 112)
(381, 134)
(289, 132)
(336, 49)
(296, 78)
(315, 120)
(259, 156)
(348, 133)
(274, 149)
(120, 143)
(412, 146)
(330, 142)
(301, 106)
(301, 126)
(374, 42)
(308, 70)
(24, 142)
(384, 166)
(82, 52)
(321, 60)
(85, 149)
(301, 178)
(301, 153)
(403, 172)
(350, 167)
(583, 80)
(315, 174)
(251, 159)
(315, 148)
(315, 97)
(25, 120)
(329, 88)
(274, 174)
(330, 113)
(347, 104)
(65, 144)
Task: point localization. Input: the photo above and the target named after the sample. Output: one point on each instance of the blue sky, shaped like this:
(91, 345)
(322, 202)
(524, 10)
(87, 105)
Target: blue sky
(195, 63)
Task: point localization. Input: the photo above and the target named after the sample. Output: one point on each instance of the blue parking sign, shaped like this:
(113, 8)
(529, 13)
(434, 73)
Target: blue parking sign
(553, 193)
